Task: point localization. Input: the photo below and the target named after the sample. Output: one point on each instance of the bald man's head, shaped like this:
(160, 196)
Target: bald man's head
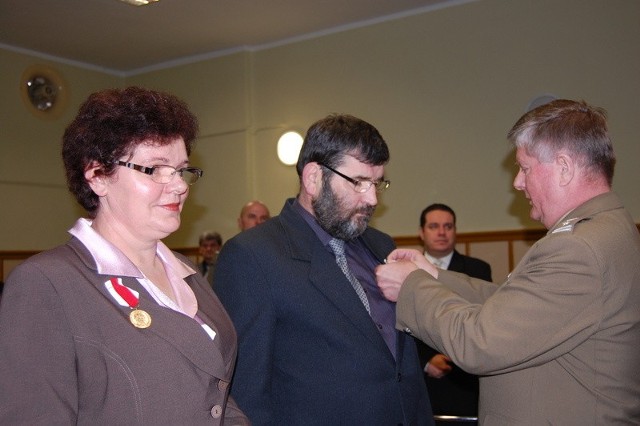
(253, 213)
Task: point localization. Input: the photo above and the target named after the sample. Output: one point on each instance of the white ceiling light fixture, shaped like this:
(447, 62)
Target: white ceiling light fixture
(138, 2)
(289, 146)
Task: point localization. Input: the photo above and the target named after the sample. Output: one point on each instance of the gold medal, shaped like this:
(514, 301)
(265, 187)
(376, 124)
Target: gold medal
(140, 318)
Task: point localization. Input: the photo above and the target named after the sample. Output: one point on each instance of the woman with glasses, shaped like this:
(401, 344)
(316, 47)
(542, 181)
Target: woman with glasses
(113, 327)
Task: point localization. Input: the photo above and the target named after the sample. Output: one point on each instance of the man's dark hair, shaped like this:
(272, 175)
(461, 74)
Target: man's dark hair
(435, 206)
(328, 140)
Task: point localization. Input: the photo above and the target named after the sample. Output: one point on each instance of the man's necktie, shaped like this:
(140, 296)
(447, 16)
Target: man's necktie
(337, 246)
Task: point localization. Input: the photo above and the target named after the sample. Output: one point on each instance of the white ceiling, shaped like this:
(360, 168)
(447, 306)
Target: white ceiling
(115, 37)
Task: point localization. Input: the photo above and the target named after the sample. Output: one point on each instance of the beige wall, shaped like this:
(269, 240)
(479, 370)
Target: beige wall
(443, 88)
(36, 208)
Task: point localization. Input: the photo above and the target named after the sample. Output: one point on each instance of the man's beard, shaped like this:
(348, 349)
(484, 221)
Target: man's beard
(336, 219)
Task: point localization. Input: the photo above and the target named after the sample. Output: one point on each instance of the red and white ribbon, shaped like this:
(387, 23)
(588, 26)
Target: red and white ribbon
(122, 294)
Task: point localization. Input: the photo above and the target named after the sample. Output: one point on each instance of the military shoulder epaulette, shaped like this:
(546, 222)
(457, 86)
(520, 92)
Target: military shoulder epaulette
(567, 225)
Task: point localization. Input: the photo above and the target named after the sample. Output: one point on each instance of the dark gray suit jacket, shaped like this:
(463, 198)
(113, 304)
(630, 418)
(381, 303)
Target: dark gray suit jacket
(309, 354)
(69, 354)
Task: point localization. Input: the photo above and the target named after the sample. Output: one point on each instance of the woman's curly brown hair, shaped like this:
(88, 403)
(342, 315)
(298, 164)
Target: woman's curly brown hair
(111, 124)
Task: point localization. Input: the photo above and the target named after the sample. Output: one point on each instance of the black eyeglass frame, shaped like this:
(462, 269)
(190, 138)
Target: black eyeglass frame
(380, 185)
(195, 171)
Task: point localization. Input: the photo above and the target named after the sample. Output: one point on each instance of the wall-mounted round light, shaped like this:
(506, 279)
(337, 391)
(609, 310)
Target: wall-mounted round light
(289, 146)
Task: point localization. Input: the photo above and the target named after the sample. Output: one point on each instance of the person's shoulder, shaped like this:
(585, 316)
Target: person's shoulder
(270, 236)
(265, 230)
(600, 214)
(586, 225)
(603, 232)
(53, 256)
(57, 261)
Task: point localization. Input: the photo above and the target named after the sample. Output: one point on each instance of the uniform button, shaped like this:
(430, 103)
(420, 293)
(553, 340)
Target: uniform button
(216, 411)
(222, 385)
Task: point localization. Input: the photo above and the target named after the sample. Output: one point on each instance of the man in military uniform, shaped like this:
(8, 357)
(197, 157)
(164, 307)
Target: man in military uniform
(557, 342)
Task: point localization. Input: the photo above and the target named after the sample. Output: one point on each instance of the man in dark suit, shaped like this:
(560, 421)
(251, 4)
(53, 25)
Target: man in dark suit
(317, 340)
(452, 391)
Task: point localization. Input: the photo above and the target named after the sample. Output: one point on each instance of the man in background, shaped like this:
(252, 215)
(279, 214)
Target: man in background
(317, 339)
(210, 244)
(452, 391)
(253, 213)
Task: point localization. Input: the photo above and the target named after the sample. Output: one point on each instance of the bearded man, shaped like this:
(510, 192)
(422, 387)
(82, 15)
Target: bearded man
(317, 339)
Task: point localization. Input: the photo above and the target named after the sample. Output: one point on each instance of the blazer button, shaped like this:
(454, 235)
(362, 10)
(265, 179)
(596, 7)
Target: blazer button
(216, 411)
(222, 385)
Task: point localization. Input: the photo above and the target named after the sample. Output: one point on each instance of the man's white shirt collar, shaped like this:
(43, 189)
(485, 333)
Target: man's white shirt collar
(440, 262)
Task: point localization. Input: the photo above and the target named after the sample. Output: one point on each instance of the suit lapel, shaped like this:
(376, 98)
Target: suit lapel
(326, 276)
(183, 333)
(212, 313)
(178, 330)
(379, 248)
(457, 263)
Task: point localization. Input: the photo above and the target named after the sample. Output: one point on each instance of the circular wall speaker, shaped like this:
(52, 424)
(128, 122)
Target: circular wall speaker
(44, 91)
